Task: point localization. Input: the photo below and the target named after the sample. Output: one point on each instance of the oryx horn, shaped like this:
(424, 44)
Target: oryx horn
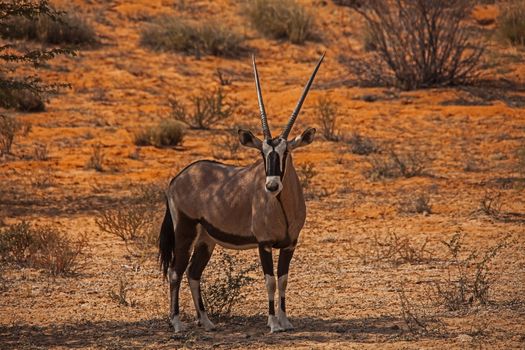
(297, 109)
(264, 120)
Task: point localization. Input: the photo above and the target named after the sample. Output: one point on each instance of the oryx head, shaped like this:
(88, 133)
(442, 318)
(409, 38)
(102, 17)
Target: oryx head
(275, 150)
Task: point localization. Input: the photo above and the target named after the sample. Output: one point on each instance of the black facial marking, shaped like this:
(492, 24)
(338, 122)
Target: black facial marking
(274, 164)
(271, 307)
(226, 237)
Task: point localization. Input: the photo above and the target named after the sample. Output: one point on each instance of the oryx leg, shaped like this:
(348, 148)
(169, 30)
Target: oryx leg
(265, 254)
(185, 234)
(200, 258)
(285, 256)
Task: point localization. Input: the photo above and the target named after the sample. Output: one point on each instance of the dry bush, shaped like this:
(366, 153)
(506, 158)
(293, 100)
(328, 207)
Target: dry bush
(121, 294)
(40, 152)
(362, 145)
(415, 316)
(306, 174)
(166, 133)
(227, 145)
(281, 19)
(393, 165)
(208, 108)
(419, 44)
(43, 247)
(23, 100)
(9, 127)
(491, 204)
(511, 22)
(134, 219)
(96, 159)
(395, 250)
(326, 110)
(66, 28)
(469, 279)
(223, 286)
(207, 38)
(415, 203)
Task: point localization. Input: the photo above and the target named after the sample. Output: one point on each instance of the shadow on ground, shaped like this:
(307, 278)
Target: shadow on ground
(231, 332)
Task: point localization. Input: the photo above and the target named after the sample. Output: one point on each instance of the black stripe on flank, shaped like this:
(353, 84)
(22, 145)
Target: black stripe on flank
(225, 237)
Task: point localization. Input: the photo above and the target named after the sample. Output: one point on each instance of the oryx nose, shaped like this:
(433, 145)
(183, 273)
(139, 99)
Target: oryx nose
(272, 186)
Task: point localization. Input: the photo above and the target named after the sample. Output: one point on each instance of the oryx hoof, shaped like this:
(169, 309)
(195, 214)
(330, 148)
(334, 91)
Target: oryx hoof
(206, 323)
(274, 325)
(178, 326)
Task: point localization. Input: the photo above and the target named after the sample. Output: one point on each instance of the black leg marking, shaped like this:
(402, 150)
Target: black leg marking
(200, 258)
(285, 257)
(271, 308)
(266, 260)
(174, 287)
(283, 304)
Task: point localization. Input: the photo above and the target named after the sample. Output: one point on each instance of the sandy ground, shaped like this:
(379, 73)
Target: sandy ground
(337, 297)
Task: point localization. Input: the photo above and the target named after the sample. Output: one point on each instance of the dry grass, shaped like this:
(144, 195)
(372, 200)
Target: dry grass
(327, 112)
(167, 133)
(176, 34)
(224, 281)
(511, 22)
(418, 203)
(207, 109)
(394, 164)
(307, 172)
(96, 159)
(281, 19)
(43, 247)
(362, 145)
(67, 28)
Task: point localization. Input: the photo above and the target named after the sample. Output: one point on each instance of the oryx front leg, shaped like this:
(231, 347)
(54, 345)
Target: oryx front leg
(265, 253)
(285, 256)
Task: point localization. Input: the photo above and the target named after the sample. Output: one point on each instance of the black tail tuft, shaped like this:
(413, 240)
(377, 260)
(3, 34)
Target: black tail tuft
(166, 241)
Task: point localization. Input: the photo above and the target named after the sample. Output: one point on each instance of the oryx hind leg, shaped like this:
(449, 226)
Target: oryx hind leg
(185, 233)
(201, 256)
(265, 254)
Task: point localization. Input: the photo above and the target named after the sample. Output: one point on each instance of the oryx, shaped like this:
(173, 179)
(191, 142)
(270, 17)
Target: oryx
(257, 206)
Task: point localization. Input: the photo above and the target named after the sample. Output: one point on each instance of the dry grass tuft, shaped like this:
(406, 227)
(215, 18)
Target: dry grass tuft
(327, 112)
(176, 34)
(96, 159)
(281, 19)
(511, 22)
(393, 165)
(166, 133)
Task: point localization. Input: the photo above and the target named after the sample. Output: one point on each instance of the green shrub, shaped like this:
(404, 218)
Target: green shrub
(67, 28)
(166, 133)
(511, 22)
(175, 34)
(281, 19)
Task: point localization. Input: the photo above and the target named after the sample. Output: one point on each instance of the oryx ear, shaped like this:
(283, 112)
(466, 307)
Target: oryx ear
(246, 138)
(304, 139)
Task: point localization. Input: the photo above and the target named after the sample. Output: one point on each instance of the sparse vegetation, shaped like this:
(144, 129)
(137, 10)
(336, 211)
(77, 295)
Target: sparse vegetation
(418, 44)
(362, 145)
(491, 204)
(223, 286)
(60, 28)
(96, 159)
(327, 113)
(9, 127)
(306, 174)
(25, 91)
(511, 22)
(469, 278)
(394, 165)
(176, 34)
(121, 294)
(43, 247)
(395, 250)
(208, 109)
(166, 133)
(281, 19)
(415, 203)
(226, 145)
(133, 219)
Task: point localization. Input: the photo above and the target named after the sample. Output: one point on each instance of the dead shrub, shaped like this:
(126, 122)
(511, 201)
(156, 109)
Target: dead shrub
(223, 286)
(415, 316)
(65, 28)
(418, 44)
(281, 19)
(511, 22)
(207, 38)
(306, 174)
(491, 203)
(41, 152)
(393, 165)
(96, 159)
(208, 109)
(43, 247)
(227, 145)
(166, 133)
(121, 294)
(469, 277)
(415, 204)
(327, 113)
(9, 127)
(362, 145)
(395, 250)
(134, 219)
